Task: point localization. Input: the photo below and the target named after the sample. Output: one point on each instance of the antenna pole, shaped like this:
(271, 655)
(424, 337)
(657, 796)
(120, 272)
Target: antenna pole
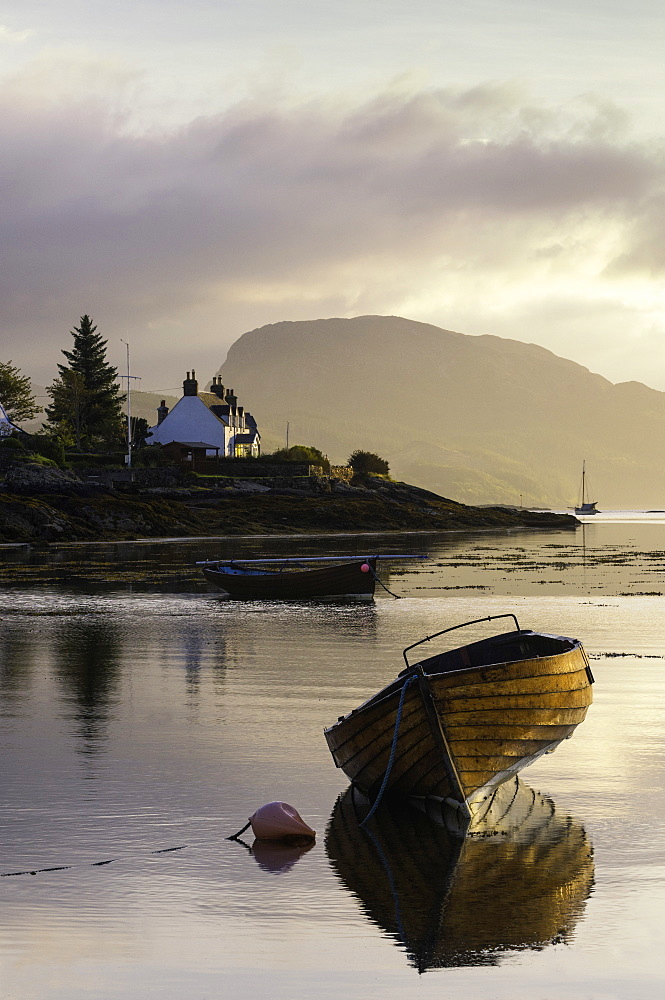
(129, 378)
(129, 411)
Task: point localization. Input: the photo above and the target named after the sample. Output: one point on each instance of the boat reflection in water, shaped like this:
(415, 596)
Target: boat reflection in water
(518, 878)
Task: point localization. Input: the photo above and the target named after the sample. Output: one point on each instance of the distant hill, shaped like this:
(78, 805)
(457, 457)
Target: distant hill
(478, 419)
(144, 404)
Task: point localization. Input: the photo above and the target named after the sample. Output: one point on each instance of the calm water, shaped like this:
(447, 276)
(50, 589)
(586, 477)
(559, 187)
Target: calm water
(140, 713)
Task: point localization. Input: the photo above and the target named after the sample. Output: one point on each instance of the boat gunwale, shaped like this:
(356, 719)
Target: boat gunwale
(227, 569)
(341, 580)
(396, 685)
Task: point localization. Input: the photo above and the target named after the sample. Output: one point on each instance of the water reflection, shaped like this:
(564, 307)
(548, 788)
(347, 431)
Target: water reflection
(518, 880)
(279, 856)
(16, 664)
(87, 655)
(605, 557)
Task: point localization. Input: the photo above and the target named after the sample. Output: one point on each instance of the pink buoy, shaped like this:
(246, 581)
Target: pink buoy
(365, 568)
(278, 820)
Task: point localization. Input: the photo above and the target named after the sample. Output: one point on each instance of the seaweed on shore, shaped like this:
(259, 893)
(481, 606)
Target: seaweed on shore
(109, 516)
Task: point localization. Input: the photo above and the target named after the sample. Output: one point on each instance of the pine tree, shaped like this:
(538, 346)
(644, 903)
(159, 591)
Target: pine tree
(86, 400)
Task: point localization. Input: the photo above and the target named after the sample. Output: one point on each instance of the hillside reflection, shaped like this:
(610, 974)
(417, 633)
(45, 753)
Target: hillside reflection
(519, 880)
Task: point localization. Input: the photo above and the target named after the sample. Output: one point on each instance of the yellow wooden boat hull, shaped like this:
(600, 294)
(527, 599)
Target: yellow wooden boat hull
(467, 726)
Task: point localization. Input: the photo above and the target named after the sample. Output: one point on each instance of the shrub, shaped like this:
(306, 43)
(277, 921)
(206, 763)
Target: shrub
(300, 453)
(12, 443)
(367, 463)
(48, 447)
(150, 457)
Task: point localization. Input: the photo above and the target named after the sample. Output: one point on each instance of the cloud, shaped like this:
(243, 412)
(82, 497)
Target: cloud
(430, 200)
(10, 37)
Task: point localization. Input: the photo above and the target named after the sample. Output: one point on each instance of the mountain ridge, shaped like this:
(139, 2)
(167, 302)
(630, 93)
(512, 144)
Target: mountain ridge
(482, 419)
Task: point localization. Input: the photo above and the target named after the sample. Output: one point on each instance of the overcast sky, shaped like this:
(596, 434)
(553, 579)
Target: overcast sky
(186, 172)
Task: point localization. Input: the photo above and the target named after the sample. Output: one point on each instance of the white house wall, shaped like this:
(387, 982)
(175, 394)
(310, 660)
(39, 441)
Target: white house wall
(191, 420)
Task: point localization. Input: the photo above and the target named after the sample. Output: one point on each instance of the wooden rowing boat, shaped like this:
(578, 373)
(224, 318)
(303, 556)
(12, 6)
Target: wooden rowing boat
(519, 880)
(293, 583)
(458, 724)
(296, 578)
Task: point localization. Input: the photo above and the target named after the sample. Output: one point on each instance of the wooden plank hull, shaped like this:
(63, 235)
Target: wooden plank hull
(345, 580)
(467, 728)
(518, 879)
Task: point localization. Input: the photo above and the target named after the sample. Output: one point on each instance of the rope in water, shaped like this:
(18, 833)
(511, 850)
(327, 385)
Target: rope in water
(393, 749)
(88, 864)
(391, 884)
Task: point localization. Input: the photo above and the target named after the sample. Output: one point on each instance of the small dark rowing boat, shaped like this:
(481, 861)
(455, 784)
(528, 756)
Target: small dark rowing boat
(458, 724)
(296, 579)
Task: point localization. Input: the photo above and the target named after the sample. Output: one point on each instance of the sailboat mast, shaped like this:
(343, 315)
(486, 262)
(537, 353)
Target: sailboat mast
(583, 481)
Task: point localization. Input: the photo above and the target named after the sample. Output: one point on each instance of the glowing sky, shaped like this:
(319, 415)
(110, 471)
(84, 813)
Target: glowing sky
(187, 172)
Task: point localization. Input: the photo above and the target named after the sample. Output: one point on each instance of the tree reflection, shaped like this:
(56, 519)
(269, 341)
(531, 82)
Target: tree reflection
(87, 657)
(15, 665)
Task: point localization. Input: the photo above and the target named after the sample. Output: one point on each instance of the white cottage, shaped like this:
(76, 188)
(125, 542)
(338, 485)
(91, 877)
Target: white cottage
(7, 426)
(207, 422)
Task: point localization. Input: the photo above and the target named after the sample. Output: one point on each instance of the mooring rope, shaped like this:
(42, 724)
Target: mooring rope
(236, 836)
(397, 597)
(89, 864)
(391, 884)
(393, 750)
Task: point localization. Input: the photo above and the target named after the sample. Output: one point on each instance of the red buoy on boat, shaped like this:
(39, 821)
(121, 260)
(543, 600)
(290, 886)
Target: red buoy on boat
(279, 820)
(365, 568)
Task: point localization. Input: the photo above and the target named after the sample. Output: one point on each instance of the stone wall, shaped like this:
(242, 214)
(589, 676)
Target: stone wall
(252, 468)
(341, 472)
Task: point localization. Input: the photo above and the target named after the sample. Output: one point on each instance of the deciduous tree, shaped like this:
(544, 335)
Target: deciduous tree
(16, 393)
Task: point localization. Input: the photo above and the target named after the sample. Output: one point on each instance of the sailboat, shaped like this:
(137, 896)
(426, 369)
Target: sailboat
(586, 506)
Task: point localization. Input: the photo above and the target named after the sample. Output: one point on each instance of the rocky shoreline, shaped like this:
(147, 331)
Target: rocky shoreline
(44, 506)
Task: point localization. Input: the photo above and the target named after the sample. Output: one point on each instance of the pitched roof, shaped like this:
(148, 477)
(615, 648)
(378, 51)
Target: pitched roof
(193, 444)
(218, 407)
(210, 399)
(6, 425)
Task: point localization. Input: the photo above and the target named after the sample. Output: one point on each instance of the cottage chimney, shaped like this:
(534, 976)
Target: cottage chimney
(230, 398)
(218, 388)
(190, 387)
(162, 412)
